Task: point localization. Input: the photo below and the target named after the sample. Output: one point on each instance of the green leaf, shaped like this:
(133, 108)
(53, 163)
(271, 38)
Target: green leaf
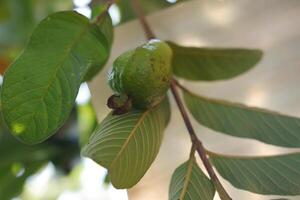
(87, 122)
(280, 199)
(40, 87)
(277, 175)
(189, 182)
(104, 22)
(127, 144)
(106, 180)
(4, 11)
(106, 27)
(12, 151)
(148, 7)
(242, 121)
(210, 64)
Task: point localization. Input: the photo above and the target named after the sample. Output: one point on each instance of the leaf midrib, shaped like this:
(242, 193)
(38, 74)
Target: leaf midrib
(187, 178)
(214, 54)
(240, 52)
(131, 135)
(58, 67)
(213, 155)
(235, 105)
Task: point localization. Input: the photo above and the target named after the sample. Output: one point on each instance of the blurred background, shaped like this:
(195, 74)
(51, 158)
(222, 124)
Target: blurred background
(55, 170)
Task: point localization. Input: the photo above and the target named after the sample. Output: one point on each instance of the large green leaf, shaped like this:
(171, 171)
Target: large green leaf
(189, 182)
(19, 161)
(127, 144)
(242, 121)
(209, 64)
(40, 87)
(278, 175)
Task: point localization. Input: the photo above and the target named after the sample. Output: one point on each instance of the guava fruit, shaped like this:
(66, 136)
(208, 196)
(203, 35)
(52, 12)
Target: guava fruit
(141, 76)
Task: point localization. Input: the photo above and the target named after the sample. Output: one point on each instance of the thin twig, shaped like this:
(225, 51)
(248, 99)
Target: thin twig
(195, 140)
(139, 12)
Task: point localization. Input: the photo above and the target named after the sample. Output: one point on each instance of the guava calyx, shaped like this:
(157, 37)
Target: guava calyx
(120, 104)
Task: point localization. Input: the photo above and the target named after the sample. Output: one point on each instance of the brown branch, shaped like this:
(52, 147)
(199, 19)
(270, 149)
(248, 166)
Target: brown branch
(197, 144)
(139, 13)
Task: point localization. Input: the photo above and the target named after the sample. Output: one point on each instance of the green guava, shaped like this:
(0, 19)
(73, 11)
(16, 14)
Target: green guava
(143, 74)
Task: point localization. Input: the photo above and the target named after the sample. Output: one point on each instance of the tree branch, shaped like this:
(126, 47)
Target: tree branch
(139, 13)
(197, 144)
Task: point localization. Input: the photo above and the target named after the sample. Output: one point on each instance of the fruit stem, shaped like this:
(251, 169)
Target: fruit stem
(197, 144)
(136, 6)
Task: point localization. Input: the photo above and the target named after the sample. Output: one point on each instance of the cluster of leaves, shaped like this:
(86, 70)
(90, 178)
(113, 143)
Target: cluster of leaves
(18, 18)
(66, 49)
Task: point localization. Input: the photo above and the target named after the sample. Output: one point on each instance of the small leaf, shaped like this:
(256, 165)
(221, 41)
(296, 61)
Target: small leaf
(40, 87)
(210, 64)
(106, 180)
(242, 121)
(106, 27)
(276, 175)
(127, 144)
(190, 183)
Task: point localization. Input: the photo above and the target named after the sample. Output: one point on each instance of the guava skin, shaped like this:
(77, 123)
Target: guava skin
(143, 74)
